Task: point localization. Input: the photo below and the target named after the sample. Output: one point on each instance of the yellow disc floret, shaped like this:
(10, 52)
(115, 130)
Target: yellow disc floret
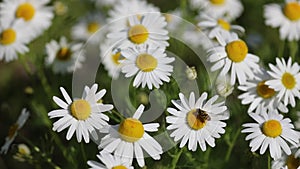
(264, 91)
(131, 130)
(116, 57)
(8, 37)
(288, 80)
(272, 128)
(63, 54)
(224, 24)
(93, 27)
(25, 11)
(217, 2)
(81, 109)
(236, 50)
(146, 62)
(138, 34)
(197, 119)
(292, 11)
(119, 167)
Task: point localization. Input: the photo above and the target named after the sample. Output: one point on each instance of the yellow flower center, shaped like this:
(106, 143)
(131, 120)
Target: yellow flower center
(168, 17)
(116, 57)
(264, 91)
(288, 80)
(272, 128)
(197, 119)
(292, 11)
(138, 34)
(119, 167)
(224, 24)
(217, 2)
(23, 149)
(292, 162)
(8, 37)
(25, 11)
(146, 62)
(93, 27)
(131, 130)
(236, 50)
(81, 109)
(63, 54)
(12, 130)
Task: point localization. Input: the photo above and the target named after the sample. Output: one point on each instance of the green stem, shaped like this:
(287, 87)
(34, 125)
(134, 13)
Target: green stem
(83, 152)
(176, 158)
(231, 145)
(281, 48)
(45, 84)
(293, 47)
(269, 161)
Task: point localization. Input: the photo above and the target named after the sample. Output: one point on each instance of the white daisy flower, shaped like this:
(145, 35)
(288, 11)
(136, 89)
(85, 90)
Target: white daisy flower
(218, 26)
(87, 27)
(122, 9)
(13, 39)
(271, 130)
(287, 162)
(36, 14)
(173, 20)
(258, 94)
(223, 86)
(63, 56)
(285, 17)
(110, 57)
(148, 29)
(231, 9)
(197, 121)
(83, 116)
(109, 162)
(149, 64)
(13, 130)
(232, 56)
(285, 80)
(128, 139)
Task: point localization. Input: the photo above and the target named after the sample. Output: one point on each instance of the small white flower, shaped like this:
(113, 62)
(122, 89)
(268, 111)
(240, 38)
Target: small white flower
(13, 130)
(218, 26)
(285, 17)
(285, 80)
(149, 64)
(287, 162)
(35, 13)
(258, 94)
(23, 153)
(232, 56)
(64, 57)
(231, 9)
(110, 162)
(87, 27)
(148, 29)
(82, 116)
(271, 130)
(13, 39)
(197, 121)
(128, 139)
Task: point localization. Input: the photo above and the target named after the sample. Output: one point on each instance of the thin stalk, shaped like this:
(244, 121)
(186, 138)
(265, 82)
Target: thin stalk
(269, 161)
(176, 158)
(83, 152)
(232, 144)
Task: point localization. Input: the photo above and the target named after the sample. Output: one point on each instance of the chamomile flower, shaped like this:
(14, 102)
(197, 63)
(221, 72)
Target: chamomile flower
(231, 9)
(83, 115)
(111, 57)
(258, 94)
(13, 39)
(150, 64)
(197, 121)
(109, 162)
(285, 17)
(35, 13)
(149, 29)
(218, 26)
(285, 80)
(87, 27)
(13, 130)
(173, 20)
(232, 56)
(127, 139)
(287, 162)
(63, 56)
(271, 130)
